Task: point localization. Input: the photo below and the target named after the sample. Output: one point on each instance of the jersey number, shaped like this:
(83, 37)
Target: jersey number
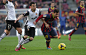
(9, 26)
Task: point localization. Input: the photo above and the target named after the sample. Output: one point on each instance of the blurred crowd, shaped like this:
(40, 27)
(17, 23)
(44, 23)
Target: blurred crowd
(24, 4)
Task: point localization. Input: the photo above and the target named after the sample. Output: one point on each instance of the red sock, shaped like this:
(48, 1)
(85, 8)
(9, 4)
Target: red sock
(72, 32)
(58, 32)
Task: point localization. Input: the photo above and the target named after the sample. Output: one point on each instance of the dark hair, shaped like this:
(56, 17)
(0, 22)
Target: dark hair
(32, 3)
(52, 2)
(80, 1)
(56, 11)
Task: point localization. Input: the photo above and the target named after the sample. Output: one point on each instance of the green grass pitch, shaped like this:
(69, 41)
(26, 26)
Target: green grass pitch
(77, 46)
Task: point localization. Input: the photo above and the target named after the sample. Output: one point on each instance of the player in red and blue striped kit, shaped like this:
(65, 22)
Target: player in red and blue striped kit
(80, 19)
(47, 28)
(50, 10)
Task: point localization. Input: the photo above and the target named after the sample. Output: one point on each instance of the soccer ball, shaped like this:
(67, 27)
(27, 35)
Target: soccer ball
(62, 46)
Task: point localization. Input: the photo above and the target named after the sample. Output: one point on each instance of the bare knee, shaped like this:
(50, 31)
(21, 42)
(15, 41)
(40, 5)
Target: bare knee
(76, 28)
(84, 28)
(20, 31)
(31, 38)
(7, 32)
(55, 36)
(25, 36)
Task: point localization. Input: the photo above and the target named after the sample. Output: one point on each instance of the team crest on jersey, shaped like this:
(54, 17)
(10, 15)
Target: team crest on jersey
(36, 13)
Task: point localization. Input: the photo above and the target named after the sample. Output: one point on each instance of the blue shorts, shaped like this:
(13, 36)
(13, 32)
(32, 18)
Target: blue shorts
(54, 24)
(47, 34)
(63, 27)
(81, 24)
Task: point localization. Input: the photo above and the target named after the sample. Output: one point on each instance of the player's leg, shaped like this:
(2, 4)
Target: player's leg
(57, 31)
(61, 29)
(31, 34)
(19, 36)
(64, 28)
(76, 28)
(84, 26)
(19, 44)
(48, 44)
(18, 28)
(7, 31)
(85, 30)
(19, 33)
(55, 25)
(53, 33)
(28, 32)
(47, 37)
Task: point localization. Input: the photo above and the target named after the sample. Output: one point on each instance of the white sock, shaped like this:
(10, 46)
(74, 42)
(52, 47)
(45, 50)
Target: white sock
(25, 41)
(19, 37)
(21, 41)
(2, 36)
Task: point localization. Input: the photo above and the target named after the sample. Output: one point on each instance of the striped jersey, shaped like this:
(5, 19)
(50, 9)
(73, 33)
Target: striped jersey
(81, 19)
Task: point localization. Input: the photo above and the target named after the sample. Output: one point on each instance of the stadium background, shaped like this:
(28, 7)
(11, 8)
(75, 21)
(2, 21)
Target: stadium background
(67, 9)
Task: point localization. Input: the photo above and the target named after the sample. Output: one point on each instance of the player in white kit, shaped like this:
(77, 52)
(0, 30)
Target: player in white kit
(32, 14)
(11, 17)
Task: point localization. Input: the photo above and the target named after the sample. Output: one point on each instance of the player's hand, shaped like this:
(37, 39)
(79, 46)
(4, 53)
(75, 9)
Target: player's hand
(15, 21)
(16, 3)
(47, 25)
(34, 23)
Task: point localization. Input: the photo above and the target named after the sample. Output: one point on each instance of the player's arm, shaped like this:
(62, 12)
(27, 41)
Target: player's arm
(5, 1)
(42, 18)
(77, 12)
(57, 19)
(47, 25)
(16, 4)
(43, 21)
(21, 16)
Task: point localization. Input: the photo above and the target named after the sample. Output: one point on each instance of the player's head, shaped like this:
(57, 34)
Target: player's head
(62, 15)
(81, 3)
(52, 4)
(10, 0)
(33, 6)
(56, 13)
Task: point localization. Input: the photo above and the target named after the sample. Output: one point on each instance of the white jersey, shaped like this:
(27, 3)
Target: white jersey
(32, 17)
(10, 11)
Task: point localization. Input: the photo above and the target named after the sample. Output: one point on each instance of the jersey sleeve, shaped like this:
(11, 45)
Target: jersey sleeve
(26, 14)
(46, 16)
(78, 9)
(41, 16)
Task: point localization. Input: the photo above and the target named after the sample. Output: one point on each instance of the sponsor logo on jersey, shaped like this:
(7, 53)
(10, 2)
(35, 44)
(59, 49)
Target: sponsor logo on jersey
(44, 15)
